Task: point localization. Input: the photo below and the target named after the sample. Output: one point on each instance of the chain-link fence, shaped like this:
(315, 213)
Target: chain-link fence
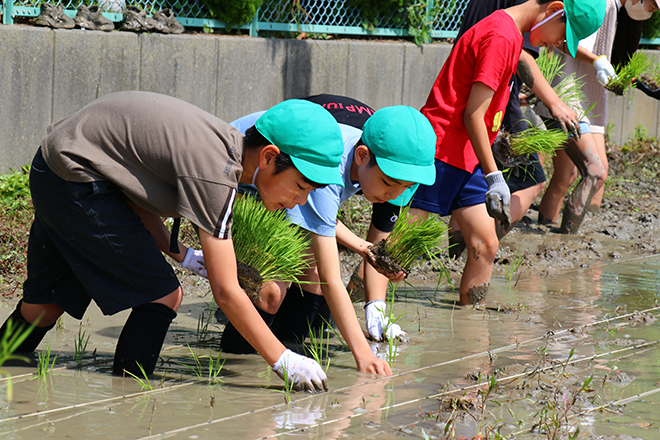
(311, 16)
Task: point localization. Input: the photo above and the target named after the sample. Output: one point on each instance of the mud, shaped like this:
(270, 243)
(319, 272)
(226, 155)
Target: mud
(250, 281)
(384, 261)
(648, 82)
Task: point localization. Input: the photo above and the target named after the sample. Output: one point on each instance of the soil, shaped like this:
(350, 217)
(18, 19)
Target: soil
(616, 88)
(250, 280)
(384, 261)
(648, 82)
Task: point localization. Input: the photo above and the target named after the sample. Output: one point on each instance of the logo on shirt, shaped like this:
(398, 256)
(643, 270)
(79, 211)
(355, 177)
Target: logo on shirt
(497, 121)
(228, 168)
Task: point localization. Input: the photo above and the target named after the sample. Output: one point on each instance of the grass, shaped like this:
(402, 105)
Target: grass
(268, 242)
(413, 238)
(622, 82)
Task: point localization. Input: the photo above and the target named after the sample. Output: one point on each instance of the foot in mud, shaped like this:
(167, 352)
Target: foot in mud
(477, 294)
(570, 222)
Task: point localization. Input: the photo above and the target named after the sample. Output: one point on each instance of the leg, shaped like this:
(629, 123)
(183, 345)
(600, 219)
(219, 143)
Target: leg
(482, 244)
(456, 240)
(563, 177)
(42, 316)
(597, 199)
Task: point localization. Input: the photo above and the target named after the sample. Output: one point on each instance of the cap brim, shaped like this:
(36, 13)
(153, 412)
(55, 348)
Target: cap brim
(572, 39)
(405, 197)
(424, 174)
(318, 173)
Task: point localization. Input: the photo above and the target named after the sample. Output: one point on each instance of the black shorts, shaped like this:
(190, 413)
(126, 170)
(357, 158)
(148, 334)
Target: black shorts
(87, 244)
(384, 215)
(524, 176)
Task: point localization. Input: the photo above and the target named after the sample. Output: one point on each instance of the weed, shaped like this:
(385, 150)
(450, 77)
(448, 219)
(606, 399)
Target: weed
(80, 345)
(15, 189)
(45, 367)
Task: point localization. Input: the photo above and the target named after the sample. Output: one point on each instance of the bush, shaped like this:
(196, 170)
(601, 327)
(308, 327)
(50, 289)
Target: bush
(233, 12)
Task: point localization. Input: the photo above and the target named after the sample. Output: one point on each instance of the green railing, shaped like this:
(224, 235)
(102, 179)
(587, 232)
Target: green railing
(311, 16)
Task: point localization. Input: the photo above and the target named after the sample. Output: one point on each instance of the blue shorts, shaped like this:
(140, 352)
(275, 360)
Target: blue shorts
(454, 188)
(87, 244)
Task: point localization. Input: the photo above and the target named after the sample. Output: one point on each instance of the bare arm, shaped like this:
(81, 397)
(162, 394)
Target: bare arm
(327, 262)
(232, 300)
(480, 97)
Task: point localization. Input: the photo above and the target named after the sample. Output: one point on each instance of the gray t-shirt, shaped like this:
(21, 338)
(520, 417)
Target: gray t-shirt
(166, 155)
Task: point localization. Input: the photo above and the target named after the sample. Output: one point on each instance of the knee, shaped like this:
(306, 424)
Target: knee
(271, 297)
(173, 300)
(42, 315)
(484, 247)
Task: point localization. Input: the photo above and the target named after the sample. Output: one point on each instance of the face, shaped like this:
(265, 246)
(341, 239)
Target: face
(649, 5)
(283, 190)
(551, 30)
(376, 185)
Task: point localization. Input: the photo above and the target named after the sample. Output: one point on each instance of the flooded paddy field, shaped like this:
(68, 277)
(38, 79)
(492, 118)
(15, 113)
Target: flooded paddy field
(558, 348)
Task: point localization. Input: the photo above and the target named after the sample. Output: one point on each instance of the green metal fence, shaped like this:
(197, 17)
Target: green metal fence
(311, 16)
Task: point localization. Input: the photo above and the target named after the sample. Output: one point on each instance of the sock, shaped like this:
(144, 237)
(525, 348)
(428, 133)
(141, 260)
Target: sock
(233, 342)
(19, 324)
(142, 338)
(291, 323)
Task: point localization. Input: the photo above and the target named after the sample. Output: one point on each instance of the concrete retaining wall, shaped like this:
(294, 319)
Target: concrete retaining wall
(46, 75)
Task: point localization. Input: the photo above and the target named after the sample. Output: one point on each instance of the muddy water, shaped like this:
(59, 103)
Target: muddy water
(532, 321)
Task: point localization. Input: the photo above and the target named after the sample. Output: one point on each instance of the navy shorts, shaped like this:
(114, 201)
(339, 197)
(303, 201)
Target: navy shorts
(454, 188)
(87, 244)
(523, 176)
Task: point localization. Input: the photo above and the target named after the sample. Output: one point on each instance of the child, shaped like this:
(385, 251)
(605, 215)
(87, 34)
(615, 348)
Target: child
(466, 106)
(392, 153)
(152, 155)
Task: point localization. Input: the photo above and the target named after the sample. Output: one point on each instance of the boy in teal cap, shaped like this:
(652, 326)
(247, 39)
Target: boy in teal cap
(466, 107)
(386, 160)
(103, 178)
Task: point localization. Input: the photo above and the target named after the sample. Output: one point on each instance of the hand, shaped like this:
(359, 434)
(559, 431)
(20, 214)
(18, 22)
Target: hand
(194, 262)
(604, 70)
(498, 198)
(566, 118)
(378, 325)
(305, 373)
(373, 365)
(653, 93)
(395, 277)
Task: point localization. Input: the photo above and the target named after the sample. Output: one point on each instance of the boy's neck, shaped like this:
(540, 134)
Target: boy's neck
(249, 163)
(525, 15)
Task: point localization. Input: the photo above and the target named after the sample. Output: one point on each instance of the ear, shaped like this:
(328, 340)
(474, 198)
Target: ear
(361, 155)
(267, 155)
(554, 7)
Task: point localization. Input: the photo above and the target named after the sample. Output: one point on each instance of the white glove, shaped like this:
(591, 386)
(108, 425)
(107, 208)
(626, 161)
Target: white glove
(377, 322)
(194, 262)
(498, 198)
(305, 373)
(604, 70)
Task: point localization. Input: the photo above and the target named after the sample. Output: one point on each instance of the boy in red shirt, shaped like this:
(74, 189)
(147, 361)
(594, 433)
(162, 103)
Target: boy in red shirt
(466, 106)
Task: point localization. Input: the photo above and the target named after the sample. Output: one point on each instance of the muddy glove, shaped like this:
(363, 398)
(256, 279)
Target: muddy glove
(498, 198)
(194, 262)
(653, 93)
(305, 373)
(604, 70)
(377, 322)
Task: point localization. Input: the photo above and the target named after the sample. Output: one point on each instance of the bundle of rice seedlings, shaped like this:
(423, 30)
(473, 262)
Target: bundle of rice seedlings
(535, 140)
(569, 88)
(267, 246)
(408, 241)
(622, 82)
(651, 78)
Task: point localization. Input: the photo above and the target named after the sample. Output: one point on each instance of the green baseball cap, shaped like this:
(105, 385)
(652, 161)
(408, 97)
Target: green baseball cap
(309, 134)
(583, 18)
(403, 141)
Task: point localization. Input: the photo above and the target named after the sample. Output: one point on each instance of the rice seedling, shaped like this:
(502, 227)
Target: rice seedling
(45, 366)
(143, 381)
(392, 348)
(622, 81)
(288, 385)
(267, 246)
(203, 322)
(337, 335)
(10, 341)
(409, 240)
(318, 346)
(215, 366)
(80, 345)
(535, 140)
(567, 87)
(651, 77)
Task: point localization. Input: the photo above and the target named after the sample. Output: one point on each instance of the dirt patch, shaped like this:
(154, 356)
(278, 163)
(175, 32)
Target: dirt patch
(249, 280)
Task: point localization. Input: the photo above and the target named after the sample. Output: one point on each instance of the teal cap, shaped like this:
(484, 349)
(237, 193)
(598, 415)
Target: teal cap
(583, 18)
(403, 141)
(309, 134)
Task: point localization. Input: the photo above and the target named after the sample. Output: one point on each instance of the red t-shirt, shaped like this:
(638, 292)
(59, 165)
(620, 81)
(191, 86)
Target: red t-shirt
(487, 53)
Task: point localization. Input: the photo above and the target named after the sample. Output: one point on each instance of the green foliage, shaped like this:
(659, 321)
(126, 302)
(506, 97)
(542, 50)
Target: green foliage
(569, 88)
(45, 366)
(651, 27)
(15, 189)
(319, 346)
(233, 12)
(80, 345)
(373, 11)
(215, 366)
(268, 242)
(412, 238)
(143, 381)
(420, 21)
